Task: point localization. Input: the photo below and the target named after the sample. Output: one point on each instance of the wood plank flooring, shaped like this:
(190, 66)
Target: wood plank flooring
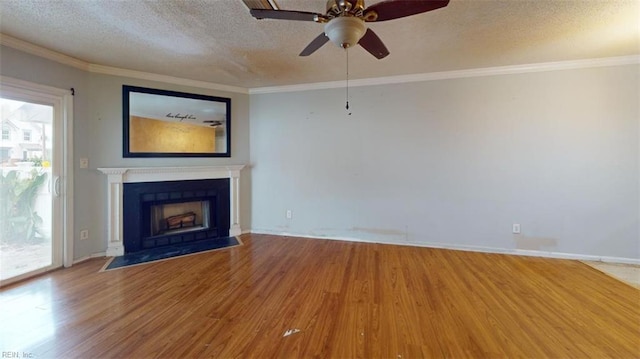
(349, 300)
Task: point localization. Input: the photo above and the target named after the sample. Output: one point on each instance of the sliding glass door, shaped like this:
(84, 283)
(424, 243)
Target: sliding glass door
(32, 190)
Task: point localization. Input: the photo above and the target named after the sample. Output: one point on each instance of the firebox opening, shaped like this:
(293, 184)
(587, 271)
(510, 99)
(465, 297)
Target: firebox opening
(158, 214)
(170, 218)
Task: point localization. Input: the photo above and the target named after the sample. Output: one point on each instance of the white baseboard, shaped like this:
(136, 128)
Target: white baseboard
(462, 247)
(86, 258)
(459, 247)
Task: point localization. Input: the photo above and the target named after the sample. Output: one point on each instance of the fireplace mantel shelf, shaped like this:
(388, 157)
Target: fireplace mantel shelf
(144, 174)
(117, 176)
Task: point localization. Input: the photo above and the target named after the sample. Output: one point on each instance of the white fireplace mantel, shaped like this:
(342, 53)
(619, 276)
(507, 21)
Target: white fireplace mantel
(116, 177)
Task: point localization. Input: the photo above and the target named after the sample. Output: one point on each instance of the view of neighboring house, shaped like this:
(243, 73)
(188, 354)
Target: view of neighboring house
(26, 132)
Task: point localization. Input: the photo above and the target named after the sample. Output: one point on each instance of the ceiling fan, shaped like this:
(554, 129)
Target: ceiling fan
(345, 21)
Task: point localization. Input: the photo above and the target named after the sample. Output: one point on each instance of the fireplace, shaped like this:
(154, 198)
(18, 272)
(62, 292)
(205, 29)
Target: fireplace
(219, 211)
(167, 218)
(158, 214)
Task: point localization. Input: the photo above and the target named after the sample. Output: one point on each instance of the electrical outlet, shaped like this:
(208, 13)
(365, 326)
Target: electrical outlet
(289, 214)
(84, 234)
(84, 162)
(516, 228)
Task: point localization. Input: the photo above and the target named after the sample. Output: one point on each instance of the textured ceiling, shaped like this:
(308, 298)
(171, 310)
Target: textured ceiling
(218, 41)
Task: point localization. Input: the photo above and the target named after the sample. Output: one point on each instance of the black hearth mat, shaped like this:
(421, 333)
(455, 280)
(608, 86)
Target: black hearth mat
(169, 252)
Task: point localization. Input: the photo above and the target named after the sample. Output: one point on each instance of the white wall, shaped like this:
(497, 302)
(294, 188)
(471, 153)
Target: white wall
(98, 137)
(450, 162)
(456, 162)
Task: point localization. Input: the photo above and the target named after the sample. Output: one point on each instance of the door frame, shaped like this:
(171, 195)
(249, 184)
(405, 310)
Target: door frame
(62, 102)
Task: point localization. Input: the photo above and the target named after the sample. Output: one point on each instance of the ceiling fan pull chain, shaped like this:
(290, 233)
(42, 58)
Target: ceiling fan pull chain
(347, 98)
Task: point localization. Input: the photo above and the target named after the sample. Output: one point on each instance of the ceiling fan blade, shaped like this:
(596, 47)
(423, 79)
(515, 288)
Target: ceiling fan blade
(394, 9)
(315, 44)
(372, 43)
(284, 15)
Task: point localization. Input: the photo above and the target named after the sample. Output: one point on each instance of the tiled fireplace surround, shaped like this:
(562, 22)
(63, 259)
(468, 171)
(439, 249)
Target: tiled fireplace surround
(117, 177)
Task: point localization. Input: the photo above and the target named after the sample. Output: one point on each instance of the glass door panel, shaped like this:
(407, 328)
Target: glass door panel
(27, 185)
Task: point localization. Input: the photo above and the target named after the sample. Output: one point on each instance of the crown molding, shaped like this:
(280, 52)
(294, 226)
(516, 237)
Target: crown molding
(39, 51)
(140, 75)
(58, 57)
(446, 75)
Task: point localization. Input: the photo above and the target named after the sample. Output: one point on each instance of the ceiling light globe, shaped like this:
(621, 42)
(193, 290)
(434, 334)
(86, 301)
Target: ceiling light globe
(345, 31)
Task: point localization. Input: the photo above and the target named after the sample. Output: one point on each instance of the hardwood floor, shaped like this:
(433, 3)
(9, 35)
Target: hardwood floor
(347, 299)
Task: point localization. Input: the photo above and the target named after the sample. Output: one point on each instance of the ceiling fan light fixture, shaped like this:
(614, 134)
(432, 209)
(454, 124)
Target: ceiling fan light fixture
(345, 31)
(345, 21)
